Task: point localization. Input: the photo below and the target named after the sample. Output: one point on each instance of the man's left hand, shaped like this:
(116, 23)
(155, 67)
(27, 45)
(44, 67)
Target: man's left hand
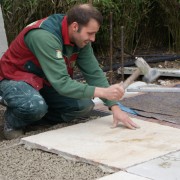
(120, 116)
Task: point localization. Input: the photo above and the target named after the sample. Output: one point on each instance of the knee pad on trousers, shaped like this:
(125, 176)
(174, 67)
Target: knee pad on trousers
(85, 107)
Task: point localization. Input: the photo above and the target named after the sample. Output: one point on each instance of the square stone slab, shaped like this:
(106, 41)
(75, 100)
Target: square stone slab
(97, 143)
(166, 167)
(123, 176)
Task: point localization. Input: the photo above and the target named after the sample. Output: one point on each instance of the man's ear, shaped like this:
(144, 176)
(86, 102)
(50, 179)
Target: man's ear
(75, 26)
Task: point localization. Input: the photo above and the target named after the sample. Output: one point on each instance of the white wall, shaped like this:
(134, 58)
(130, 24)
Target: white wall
(3, 39)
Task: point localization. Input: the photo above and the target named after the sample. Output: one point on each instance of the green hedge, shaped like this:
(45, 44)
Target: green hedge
(147, 23)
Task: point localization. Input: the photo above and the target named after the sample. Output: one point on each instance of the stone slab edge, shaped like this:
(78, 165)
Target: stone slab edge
(68, 156)
(105, 168)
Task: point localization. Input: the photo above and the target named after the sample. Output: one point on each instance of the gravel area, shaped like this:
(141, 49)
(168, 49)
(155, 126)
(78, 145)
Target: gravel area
(18, 162)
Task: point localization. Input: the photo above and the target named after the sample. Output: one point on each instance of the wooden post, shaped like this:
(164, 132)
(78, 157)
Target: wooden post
(122, 53)
(111, 48)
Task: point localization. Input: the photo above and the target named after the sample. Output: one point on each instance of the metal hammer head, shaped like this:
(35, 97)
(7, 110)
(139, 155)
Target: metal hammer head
(149, 73)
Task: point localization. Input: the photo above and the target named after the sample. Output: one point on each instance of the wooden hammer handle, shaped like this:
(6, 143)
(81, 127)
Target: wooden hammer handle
(131, 78)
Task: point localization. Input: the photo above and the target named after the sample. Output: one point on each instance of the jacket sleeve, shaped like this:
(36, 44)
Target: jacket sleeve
(44, 46)
(91, 71)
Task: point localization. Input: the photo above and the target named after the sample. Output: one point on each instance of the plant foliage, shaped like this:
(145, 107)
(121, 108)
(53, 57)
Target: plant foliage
(147, 23)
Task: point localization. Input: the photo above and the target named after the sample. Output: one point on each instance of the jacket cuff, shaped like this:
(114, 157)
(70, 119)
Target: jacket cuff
(109, 103)
(89, 92)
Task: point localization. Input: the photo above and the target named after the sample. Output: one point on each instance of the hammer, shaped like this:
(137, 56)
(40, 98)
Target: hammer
(150, 74)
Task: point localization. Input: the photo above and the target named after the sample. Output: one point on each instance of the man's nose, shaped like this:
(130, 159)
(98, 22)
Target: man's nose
(92, 38)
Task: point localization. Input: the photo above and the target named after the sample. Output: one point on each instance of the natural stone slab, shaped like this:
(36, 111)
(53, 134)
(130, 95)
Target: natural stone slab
(123, 176)
(114, 148)
(3, 39)
(165, 167)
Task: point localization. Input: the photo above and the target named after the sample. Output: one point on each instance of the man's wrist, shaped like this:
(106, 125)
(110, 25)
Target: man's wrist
(99, 92)
(114, 107)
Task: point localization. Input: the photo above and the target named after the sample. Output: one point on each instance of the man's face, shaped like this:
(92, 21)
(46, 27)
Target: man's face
(83, 35)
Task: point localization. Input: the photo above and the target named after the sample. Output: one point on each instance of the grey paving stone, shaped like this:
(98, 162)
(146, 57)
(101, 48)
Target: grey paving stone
(166, 167)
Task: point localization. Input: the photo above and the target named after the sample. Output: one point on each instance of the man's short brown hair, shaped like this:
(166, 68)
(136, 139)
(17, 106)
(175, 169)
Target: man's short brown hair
(82, 14)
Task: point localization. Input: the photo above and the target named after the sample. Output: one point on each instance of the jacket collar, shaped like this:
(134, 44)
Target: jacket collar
(65, 34)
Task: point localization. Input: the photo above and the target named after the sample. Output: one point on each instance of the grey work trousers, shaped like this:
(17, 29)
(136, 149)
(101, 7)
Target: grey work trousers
(26, 105)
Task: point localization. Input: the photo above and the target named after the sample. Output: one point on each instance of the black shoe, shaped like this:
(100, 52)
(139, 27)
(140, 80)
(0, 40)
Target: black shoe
(10, 132)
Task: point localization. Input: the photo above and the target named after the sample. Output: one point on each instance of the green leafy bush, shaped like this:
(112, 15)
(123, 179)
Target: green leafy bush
(147, 23)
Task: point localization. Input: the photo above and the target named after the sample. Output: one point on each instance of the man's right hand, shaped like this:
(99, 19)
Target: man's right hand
(113, 92)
